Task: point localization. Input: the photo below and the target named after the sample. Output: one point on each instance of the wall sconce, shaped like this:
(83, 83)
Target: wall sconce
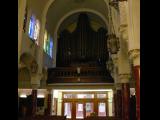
(113, 44)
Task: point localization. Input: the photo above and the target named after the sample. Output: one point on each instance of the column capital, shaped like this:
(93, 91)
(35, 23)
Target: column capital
(134, 55)
(35, 80)
(124, 78)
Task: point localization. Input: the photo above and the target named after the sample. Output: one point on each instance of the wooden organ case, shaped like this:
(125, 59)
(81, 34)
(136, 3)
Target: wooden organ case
(83, 48)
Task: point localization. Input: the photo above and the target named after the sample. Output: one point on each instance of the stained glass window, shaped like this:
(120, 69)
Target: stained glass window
(45, 40)
(34, 29)
(51, 47)
(48, 44)
(31, 26)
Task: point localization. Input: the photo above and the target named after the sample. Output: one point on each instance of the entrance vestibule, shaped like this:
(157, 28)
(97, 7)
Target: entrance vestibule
(78, 105)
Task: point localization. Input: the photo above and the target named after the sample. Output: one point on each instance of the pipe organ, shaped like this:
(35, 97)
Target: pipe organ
(84, 48)
(83, 45)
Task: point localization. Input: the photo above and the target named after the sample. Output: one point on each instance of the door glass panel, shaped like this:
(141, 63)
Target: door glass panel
(67, 109)
(79, 111)
(89, 109)
(101, 109)
(67, 96)
(85, 95)
(101, 95)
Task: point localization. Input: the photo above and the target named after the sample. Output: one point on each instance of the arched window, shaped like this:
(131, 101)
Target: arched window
(34, 29)
(45, 41)
(48, 44)
(31, 26)
(51, 47)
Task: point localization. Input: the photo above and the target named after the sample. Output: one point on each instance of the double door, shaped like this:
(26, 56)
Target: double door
(79, 109)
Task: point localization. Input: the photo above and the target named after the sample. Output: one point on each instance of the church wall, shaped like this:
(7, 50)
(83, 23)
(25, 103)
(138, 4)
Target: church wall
(27, 44)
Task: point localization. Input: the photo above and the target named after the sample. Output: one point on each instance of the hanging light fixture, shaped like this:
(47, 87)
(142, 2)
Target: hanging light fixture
(113, 44)
(113, 41)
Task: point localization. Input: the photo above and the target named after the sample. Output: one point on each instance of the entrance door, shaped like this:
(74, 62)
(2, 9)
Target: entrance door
(79, 110)
(89, 108)
(102, 109)
(77, 106)
(68, 110)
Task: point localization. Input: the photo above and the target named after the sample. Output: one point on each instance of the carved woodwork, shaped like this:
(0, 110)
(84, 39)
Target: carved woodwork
(87, 75)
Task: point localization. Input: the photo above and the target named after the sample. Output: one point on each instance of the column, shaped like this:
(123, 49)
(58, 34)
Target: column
(41, 42)
(135, 57)
(49, 102)
(137, 77)
(125, 95)
(115, 103)
(115, 76)
(21, 13)
(134, 45)
(34, 101)
(133, 18)
(119, 100)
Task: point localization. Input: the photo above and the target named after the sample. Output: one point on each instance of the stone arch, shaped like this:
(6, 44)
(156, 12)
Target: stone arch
(50, 2)
(77, 11)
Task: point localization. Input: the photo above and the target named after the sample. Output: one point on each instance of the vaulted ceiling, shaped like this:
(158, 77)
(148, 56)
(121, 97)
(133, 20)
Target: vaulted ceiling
(60, 8)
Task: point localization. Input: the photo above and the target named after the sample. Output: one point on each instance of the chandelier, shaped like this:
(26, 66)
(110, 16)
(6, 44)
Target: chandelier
(113, 41)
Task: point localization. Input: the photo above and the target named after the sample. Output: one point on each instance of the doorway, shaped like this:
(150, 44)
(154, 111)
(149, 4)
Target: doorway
(77, 106)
